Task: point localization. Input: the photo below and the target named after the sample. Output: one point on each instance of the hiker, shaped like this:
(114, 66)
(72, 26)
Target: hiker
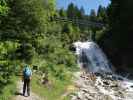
(26, 78)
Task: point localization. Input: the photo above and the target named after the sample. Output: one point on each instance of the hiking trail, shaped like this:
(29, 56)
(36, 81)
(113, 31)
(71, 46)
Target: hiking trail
(19, 96)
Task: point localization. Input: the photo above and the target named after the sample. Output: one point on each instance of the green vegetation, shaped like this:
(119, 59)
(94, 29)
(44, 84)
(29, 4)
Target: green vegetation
(9, 90)
(117, 39)
(52, 91)
(3, 8)
(26, 36)
(29, 35)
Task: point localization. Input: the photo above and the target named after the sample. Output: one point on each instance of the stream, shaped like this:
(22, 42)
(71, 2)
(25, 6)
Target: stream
(97, 79)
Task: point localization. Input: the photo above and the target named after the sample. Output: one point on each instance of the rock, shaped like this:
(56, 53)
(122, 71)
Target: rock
(105, 87)
(106, 83)
(106, 97)
(114, 86)
(81, 95)
(119, 78)
(98, 74)
(74, 98)
(131, 86)
(85, 90)
(88, 97)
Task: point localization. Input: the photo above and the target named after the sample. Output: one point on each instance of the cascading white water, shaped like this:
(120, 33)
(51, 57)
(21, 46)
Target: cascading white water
(109, 84)
(92, 57)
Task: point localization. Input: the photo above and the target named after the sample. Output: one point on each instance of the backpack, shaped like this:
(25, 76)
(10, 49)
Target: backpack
(27, 72)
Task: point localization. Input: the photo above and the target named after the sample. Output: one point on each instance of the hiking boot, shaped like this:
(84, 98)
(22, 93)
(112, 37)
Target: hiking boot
(28, 94)
(23, 94)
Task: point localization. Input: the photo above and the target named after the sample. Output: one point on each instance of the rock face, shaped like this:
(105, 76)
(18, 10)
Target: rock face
(102, 87)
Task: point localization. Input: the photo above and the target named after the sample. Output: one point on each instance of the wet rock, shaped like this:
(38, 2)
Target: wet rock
(131, 86)
(106, 97)
(81, 95)
(105, 87)
(106, 83)
(88, 97)
(114, 86)
(74, 98)
(85, 90)
(119, 78)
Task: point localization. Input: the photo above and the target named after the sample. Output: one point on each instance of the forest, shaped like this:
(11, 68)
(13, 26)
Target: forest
(30, 34)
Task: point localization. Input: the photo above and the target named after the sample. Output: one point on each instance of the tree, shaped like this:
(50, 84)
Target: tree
(82, 12)
(93, 15)
(62, 13)
(101, 14)
(71, 11)
(119, 40)
(3, 8)
(74, 12)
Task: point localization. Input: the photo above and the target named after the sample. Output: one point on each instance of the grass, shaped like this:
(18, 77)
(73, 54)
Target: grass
(54, 91)
(9, 90)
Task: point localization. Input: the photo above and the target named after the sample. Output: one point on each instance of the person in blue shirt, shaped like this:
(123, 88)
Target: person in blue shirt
(27, 73)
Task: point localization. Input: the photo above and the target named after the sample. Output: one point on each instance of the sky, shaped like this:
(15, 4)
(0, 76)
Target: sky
(86, 4)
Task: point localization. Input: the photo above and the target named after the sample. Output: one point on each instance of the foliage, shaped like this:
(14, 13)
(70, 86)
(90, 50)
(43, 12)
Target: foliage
(28, 35)
(117, 41)
(24, 23)
(54, 90)
(9, 90)
(7, 49)
(3, 8)
(102, 14)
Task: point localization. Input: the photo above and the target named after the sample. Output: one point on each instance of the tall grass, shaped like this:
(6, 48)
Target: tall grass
(52, 91)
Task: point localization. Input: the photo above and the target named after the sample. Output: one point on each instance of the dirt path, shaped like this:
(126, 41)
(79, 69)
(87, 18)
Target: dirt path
(19, 96)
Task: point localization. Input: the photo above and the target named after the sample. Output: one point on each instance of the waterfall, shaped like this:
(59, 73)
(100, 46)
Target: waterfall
(105, 82)
(90, 56)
